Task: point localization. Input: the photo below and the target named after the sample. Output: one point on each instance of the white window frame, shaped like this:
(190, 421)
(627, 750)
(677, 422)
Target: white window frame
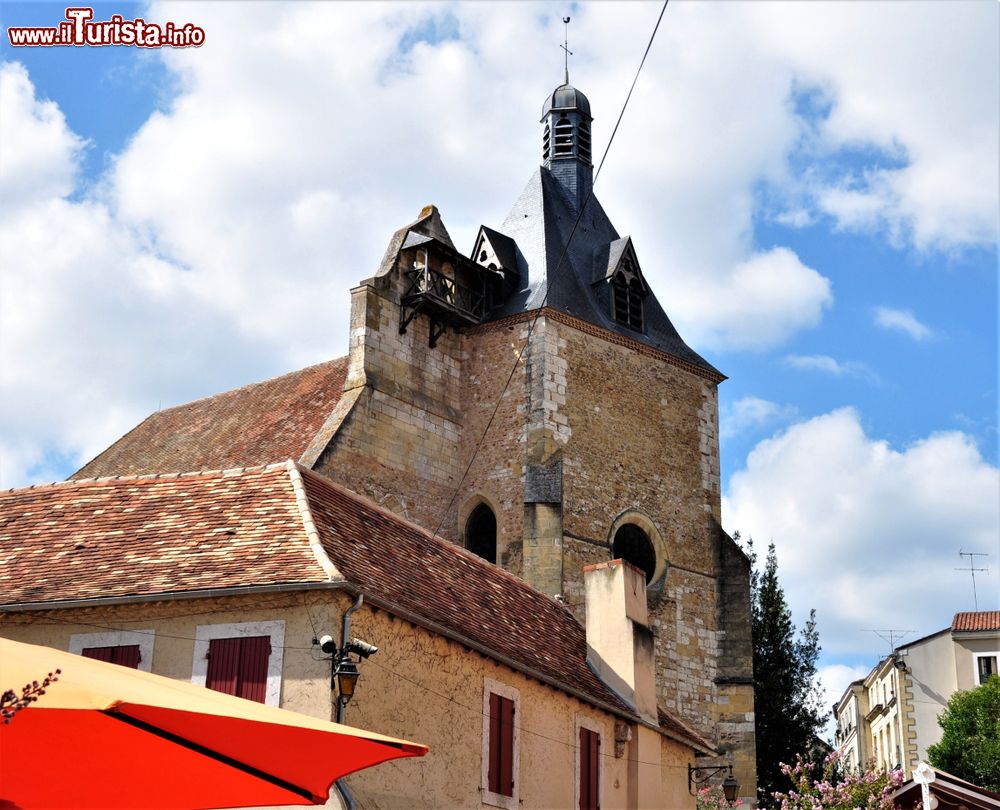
(975, 664)
(489, 797)
(205, 633)
(78, 642)
(595, 726)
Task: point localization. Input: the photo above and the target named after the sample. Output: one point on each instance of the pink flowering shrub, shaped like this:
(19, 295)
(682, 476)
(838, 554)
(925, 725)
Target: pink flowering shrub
(869, 790)
(712, 798)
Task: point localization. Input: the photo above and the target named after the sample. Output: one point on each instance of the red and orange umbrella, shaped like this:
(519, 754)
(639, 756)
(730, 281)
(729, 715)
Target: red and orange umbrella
(104, 736)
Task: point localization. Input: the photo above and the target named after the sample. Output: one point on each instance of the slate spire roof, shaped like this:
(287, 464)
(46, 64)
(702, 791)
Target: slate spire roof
(540, 223)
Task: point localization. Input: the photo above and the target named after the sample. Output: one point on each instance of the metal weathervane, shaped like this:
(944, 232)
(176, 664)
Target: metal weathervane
(565, 47)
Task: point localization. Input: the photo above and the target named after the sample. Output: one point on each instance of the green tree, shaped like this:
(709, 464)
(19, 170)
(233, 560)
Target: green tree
(787, 697)
(970, 744)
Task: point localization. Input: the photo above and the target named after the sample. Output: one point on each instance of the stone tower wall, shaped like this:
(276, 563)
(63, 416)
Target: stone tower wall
(593, 430)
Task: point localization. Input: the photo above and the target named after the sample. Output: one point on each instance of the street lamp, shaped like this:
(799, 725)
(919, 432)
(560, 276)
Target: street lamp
(698, 775)
(347, 676)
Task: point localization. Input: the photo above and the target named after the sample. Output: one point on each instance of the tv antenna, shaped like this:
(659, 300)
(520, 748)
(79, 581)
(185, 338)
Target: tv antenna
(972, 570)
(891, 637)
(565, 47)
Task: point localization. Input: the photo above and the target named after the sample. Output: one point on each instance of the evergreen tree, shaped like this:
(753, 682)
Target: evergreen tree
(787, 698)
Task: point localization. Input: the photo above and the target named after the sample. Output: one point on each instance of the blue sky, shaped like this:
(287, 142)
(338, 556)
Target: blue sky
(817, 212)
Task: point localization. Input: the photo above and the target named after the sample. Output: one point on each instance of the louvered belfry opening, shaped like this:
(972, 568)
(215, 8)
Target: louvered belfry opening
(627, 295)
(564, 138)
(583, 142)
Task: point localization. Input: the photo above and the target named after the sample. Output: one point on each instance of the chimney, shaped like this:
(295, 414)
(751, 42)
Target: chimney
(619, 641)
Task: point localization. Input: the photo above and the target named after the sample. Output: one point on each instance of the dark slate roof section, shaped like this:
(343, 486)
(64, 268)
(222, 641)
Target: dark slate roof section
(263, 423)
(540, 223)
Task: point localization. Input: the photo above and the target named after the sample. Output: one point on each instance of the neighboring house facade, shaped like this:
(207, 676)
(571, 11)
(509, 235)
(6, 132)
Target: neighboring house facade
(850, 712)
(901, 698)
(227, 579)
(532, 403)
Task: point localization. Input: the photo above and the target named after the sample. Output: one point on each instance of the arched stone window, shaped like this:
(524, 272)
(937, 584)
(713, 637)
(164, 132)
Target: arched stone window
(635, 538)
(633, 545)
(481, 533)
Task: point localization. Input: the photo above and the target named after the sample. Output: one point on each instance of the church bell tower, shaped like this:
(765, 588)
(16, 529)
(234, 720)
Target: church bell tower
(566, 145)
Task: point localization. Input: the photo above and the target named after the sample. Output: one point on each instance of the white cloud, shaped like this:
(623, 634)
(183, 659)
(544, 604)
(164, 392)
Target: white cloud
(867, 534)
(931, 118)
(828, 365)
(902, 320)
(751, 413)
(39, 154)
(96, 330)
(221, 244)
(833, 681)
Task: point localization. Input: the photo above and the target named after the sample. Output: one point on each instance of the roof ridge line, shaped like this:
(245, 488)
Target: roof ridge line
(309, 524)
(246, 386)
(69, 482)
(305, 471)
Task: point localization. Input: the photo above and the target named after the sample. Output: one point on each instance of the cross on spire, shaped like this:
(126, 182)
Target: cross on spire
(565, 47)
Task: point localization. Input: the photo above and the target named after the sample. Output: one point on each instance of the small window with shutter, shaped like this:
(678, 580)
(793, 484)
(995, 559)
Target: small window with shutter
(500, 744)
(589, 769)
(242, 659)
(127, 648)
(238, 666)
(126, 655)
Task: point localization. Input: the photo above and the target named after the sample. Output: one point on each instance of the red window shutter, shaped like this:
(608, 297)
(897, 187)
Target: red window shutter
(223, 665)
(506, 747)
(238, 666)
(126, 654)
(253, 668)
(99, 653)
(590, 769)
(494, 744)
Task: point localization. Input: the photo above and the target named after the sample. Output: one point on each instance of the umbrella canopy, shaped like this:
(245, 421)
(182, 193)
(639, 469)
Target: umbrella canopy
(105, 736)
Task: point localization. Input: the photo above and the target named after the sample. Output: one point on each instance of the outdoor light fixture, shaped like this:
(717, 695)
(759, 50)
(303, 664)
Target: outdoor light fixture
(347, 678)
(345, 669)
(700, 775)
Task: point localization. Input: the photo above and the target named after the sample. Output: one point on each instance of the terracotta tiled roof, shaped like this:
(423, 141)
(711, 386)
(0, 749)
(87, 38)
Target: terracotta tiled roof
(982, 620)
(263, 423)
(239, 528)
(137, 536)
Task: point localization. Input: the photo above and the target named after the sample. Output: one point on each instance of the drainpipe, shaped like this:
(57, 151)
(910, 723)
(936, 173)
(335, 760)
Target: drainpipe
(345, 635)
(345, 631)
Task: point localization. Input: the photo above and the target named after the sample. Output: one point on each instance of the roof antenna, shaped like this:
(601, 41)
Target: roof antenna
(972, 570)
(565, 47)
